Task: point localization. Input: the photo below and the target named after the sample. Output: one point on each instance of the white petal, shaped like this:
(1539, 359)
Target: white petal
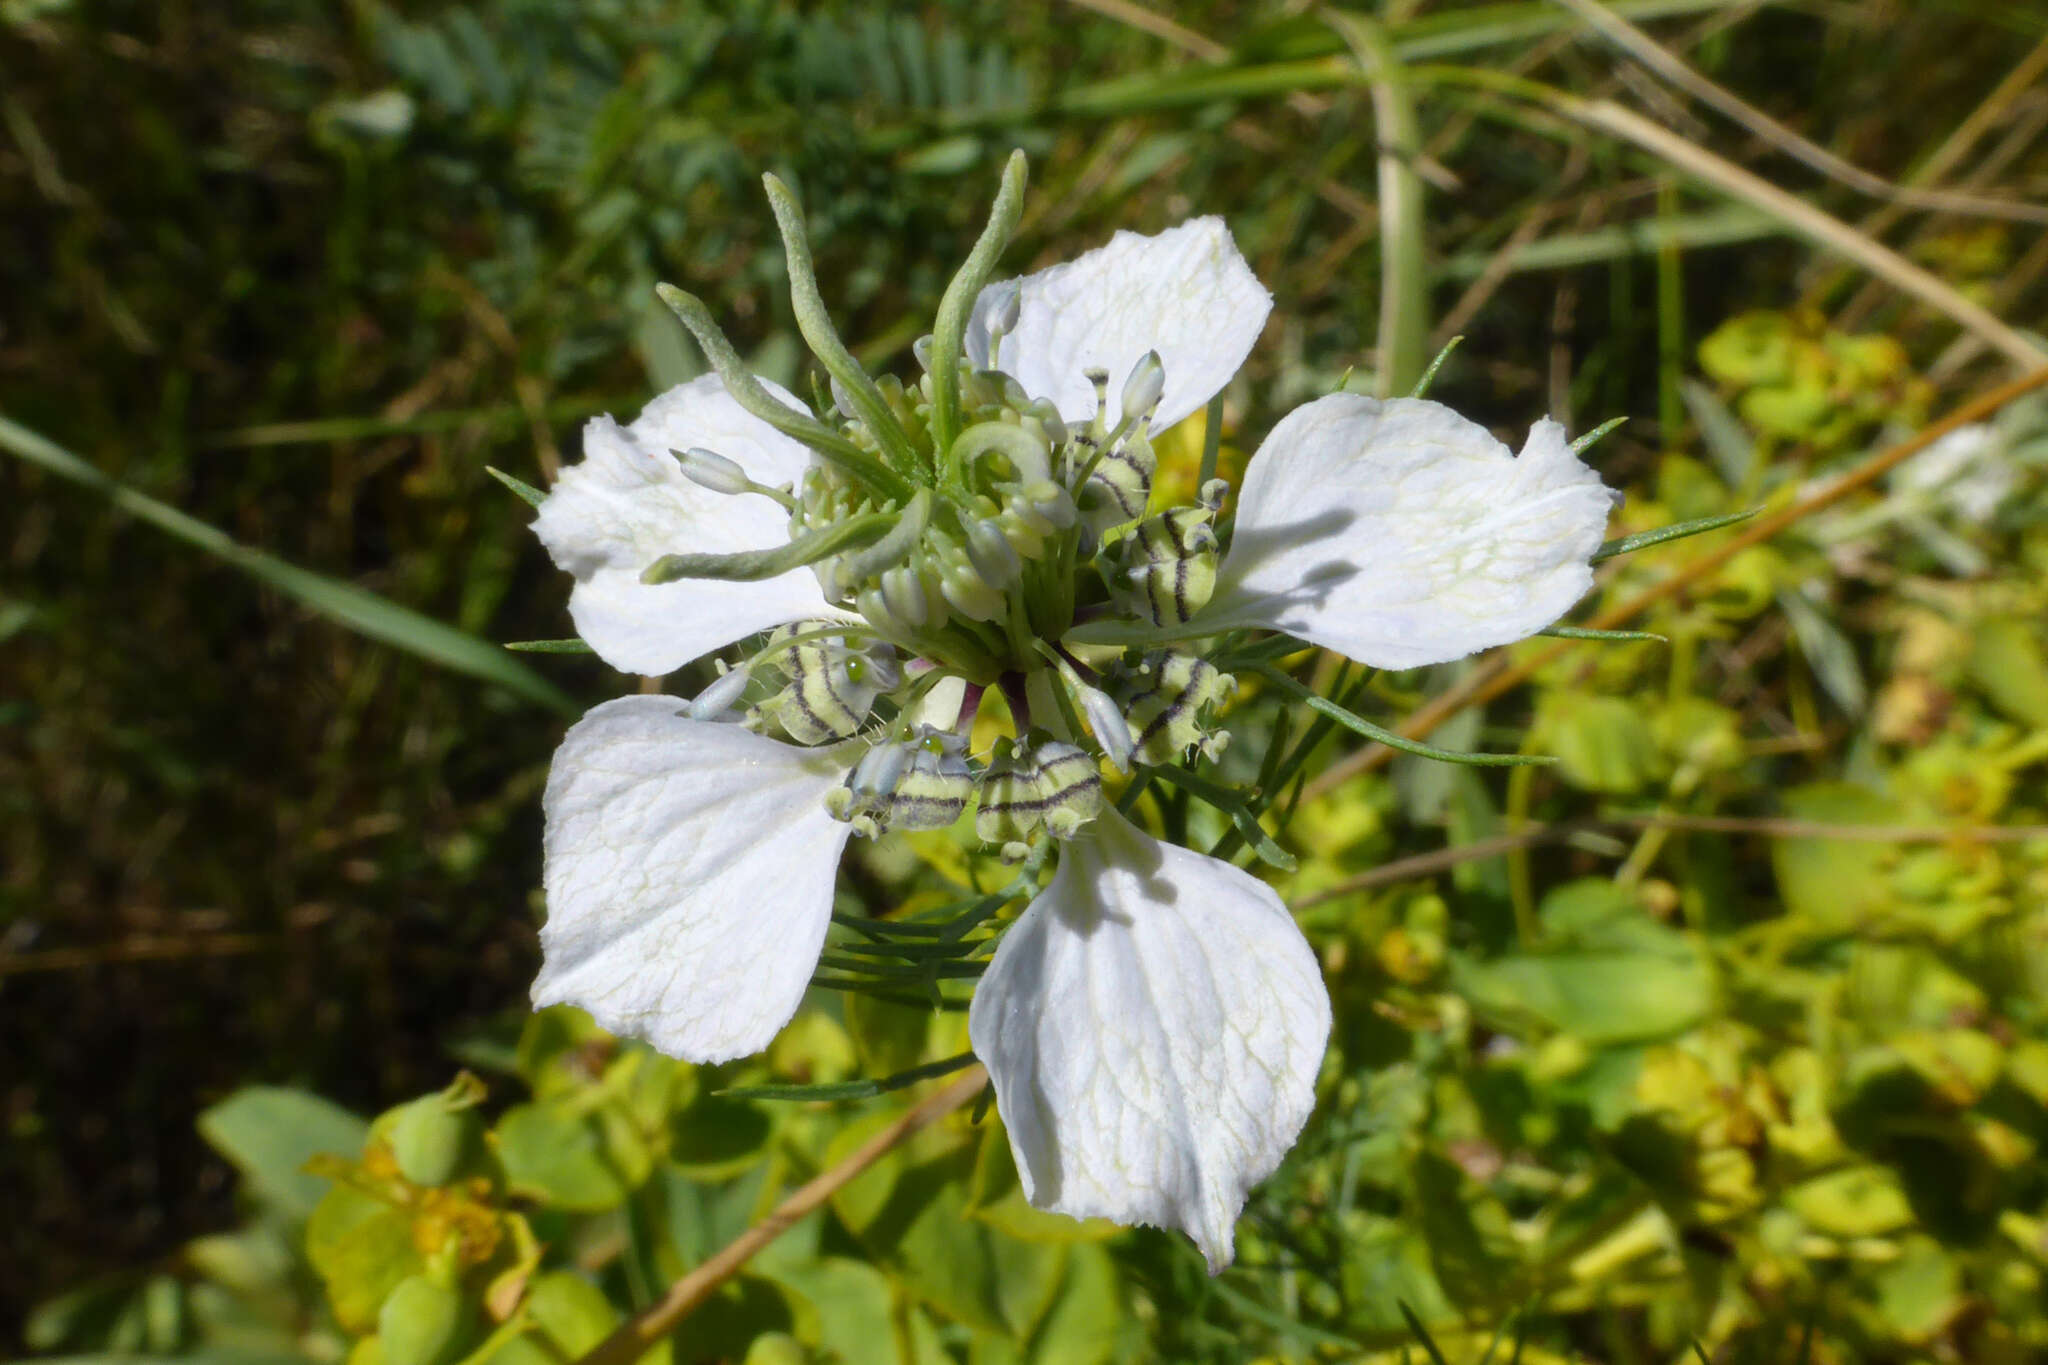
(689, 872)
(1185, 293)
(1153, 1024)
(627, 503)
(1401, 534)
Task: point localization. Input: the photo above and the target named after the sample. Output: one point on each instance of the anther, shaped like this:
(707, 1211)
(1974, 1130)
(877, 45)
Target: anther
(992, 554)
(711, 470)
(1142, 390)
(714, 701)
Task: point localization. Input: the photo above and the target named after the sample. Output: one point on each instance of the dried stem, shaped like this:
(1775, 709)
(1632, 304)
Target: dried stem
(645, 1329)
(1653, 55)
(1767, 827)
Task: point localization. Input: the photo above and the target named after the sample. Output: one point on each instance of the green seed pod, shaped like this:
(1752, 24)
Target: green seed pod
(422, 1323)
(1168, 564)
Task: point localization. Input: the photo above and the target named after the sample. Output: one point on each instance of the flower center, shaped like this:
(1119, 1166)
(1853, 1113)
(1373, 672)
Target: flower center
(968, 526)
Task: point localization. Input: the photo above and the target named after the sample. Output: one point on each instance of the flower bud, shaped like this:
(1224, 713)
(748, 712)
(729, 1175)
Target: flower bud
(961, 584)
(1003, 321)
(713, 471)
(992, 555)
(1049, 420)
(904, 595)
(1014, 396)
(1052, 503)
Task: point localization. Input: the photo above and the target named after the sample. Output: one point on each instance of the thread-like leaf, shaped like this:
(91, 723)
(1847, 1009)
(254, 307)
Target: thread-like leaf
(1642, 540)
(852, 1090)
(1359, 725)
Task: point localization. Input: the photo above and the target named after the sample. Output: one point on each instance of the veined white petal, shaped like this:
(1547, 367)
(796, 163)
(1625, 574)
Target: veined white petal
(627, 503)
(689, 869)
(1401, 534)
(1185, 293)
(1153, 1023)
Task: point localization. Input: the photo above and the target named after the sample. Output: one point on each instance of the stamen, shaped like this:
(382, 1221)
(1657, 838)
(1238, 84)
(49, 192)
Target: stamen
(709, 469)
(1143, 389)
(714, 701)
(1002, 324)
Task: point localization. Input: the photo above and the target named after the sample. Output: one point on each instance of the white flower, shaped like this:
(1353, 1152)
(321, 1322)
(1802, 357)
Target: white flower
(1154, 1021)
(689, 865)
(1185, 295)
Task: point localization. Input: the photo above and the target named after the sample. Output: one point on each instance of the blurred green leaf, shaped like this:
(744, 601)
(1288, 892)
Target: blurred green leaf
(361, 1247)
(1835, 884)
(270, 1134)
(558, 1156)
(574, 1313)
(909, 1211)
(2008, 665)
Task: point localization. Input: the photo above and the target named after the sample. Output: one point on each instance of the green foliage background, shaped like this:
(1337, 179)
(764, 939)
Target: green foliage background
(1749, 1085)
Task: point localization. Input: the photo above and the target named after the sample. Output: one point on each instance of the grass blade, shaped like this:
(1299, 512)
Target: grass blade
(1233, 805)
(1422, 1335)
(360, 610)
(1404, 273)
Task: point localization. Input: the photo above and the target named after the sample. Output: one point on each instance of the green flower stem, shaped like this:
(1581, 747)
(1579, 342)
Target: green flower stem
(829, 445)
(816, 325)
(950, 331)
